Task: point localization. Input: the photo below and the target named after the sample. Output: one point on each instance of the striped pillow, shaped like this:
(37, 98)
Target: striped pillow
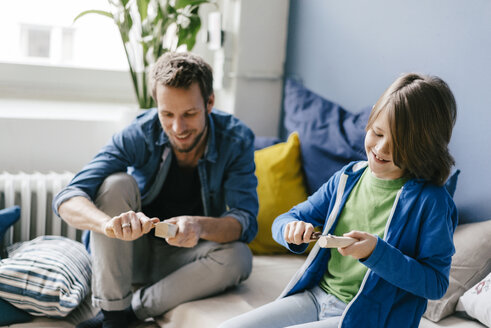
(47, 276)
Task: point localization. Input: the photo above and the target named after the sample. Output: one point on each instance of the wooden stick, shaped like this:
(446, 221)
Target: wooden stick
(330, 241)
(165, 230)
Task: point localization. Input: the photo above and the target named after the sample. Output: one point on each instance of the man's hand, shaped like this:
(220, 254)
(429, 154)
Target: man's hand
(188, 231)
(129, 226)
(361, 249)
(298, 232)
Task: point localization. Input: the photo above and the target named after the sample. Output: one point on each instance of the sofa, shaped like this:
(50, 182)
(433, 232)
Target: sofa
(319, 138)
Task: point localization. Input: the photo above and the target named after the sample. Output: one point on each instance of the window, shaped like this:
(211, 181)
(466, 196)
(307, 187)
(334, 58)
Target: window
(44, 54)
(36, 41)
(43, 33)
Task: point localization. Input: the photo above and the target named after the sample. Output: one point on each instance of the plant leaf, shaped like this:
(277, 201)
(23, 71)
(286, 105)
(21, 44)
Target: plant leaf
(183, 3)
(187, 35)
(93, 11)
(150, 23)
(125, 25)
(142, 8)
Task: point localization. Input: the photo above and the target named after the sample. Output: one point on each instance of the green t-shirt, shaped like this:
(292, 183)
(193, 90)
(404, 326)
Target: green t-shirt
(367, 209)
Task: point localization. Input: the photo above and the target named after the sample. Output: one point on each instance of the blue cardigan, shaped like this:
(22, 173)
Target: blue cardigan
(410, 265)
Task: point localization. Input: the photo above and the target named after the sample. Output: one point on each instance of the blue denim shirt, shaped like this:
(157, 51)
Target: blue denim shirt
(226, 171)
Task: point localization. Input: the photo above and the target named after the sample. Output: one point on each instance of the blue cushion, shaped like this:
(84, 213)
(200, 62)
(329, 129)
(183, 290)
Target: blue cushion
(11, 314)
(451, 183)
(330, 136)
(86, 240)
(263, 142)
(8, 217)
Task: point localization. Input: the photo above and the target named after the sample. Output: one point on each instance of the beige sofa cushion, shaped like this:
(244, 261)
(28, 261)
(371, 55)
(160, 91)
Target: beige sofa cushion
(269, 276)
(470, 263)
(450, 322)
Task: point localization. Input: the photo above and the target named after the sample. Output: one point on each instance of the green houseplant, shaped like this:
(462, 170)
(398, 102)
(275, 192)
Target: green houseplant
(149, 28)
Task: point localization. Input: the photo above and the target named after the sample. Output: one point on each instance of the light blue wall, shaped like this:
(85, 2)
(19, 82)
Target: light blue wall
(350, 51)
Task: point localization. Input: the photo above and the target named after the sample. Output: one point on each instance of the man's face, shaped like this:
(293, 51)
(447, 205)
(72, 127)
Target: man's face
(183, 115)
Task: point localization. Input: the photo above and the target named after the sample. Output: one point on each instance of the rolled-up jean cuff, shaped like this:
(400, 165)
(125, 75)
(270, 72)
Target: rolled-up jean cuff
(116, 305)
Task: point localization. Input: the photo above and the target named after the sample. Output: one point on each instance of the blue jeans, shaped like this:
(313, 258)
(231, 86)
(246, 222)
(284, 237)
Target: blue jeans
(309, 309)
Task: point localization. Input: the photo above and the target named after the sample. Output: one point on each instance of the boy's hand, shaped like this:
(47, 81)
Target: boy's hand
(361, 249)
(298, 232)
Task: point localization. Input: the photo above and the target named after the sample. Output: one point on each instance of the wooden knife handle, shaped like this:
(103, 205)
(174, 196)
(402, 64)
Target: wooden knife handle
(165, 230)
(331, 241)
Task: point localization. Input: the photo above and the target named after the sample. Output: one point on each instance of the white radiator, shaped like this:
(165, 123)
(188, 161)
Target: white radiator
(34, 194)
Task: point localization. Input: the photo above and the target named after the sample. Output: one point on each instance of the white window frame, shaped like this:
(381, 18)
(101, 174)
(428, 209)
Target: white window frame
(65, 83)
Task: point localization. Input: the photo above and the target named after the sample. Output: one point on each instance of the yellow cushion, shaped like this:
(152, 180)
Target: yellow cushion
(280, 187)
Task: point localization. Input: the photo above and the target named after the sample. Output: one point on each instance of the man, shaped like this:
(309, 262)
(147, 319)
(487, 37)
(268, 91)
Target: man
(194, 167)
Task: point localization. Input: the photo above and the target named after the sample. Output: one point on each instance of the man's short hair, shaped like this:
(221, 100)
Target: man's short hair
(180, 70)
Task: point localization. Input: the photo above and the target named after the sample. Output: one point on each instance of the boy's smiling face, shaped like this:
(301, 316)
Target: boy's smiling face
(378, 146)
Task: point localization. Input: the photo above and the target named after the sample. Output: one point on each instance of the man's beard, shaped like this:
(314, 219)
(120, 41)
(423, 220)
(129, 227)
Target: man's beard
(196, 140)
